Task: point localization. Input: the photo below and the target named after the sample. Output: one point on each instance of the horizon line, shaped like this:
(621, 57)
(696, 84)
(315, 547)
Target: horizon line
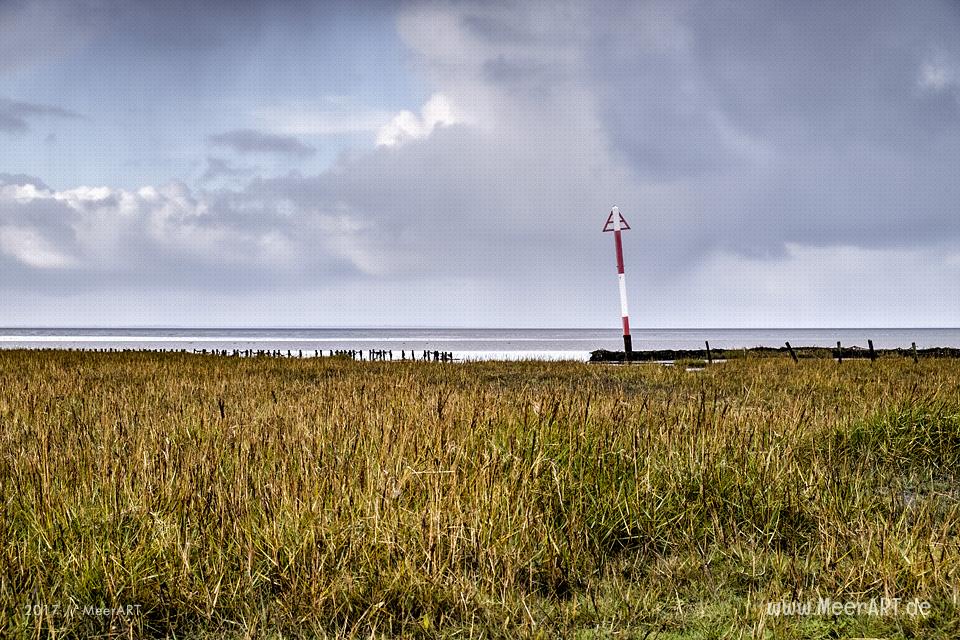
(459, 327)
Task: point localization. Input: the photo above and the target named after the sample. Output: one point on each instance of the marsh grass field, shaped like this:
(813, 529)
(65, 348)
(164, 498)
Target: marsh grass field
(263, 497)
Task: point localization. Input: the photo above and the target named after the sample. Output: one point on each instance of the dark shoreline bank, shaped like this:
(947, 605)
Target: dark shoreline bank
(852, 353)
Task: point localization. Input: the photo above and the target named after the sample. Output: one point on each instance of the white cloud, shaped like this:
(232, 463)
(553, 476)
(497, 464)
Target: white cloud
(22, 193)
(29, 247)
(156, 230)
(406, 125)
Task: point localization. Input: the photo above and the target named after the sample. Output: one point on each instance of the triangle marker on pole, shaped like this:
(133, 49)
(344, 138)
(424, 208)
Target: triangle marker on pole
(609, 225)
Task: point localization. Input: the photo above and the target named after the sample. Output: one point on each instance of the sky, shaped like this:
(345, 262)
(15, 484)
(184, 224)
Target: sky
(288, 163)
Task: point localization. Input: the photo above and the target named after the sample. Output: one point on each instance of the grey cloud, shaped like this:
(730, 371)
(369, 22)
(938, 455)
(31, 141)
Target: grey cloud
(15, 116)
(495, 29)
(34, 235)
(528, 77)
(220, 168)
(848, 72)
(252, 141)
(21, 179)
(463, 203)
(740, 127)
(33, 32)
(199, 28)
(708, 145)
(192, 27)
(748, 131)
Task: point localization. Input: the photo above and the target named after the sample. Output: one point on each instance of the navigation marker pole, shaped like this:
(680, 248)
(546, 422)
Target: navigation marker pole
(616, 222)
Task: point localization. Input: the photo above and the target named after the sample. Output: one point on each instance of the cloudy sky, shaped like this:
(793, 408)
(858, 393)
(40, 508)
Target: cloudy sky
(452, 164)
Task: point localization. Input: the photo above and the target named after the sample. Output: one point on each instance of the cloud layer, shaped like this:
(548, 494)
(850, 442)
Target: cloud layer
(15, 115)
(251, 141)
(774, 156)
(170, 238)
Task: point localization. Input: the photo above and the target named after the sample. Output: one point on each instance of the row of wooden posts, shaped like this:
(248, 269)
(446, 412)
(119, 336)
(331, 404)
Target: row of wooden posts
(793, 354)
(353, 354)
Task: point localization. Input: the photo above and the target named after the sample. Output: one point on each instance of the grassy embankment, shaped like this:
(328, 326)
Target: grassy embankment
(280, 497)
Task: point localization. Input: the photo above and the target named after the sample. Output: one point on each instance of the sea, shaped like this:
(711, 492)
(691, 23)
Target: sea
(464, 344)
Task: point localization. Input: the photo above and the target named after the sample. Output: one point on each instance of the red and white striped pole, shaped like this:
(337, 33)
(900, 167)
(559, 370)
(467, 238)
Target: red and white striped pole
(617, 223)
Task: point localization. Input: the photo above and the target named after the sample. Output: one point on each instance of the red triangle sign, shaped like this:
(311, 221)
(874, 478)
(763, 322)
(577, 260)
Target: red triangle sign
(609, 226)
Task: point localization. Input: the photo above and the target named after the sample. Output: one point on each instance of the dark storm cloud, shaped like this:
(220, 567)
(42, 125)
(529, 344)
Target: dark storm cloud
(772, 123)
(787, 122)
(251, 141)
(15, 116)
(735, 128)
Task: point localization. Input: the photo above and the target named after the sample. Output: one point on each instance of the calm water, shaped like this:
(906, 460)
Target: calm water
(575, 344)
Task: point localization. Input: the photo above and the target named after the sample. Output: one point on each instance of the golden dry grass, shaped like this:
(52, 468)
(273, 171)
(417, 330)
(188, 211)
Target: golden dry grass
(280, 497)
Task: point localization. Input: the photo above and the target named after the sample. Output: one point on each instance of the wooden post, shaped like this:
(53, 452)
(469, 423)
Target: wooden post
(839, 353)
(709, 355)
(915, 359)
(792, 353)
(873, 354)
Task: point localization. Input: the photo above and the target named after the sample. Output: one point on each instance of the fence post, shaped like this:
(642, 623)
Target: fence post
(915, 359)
(839, 353)
(873, 354)
(709, 355)
(792, 353)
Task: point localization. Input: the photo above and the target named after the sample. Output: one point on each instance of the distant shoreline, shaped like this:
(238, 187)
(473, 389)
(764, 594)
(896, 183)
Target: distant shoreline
(851, 353)
(487, 344)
